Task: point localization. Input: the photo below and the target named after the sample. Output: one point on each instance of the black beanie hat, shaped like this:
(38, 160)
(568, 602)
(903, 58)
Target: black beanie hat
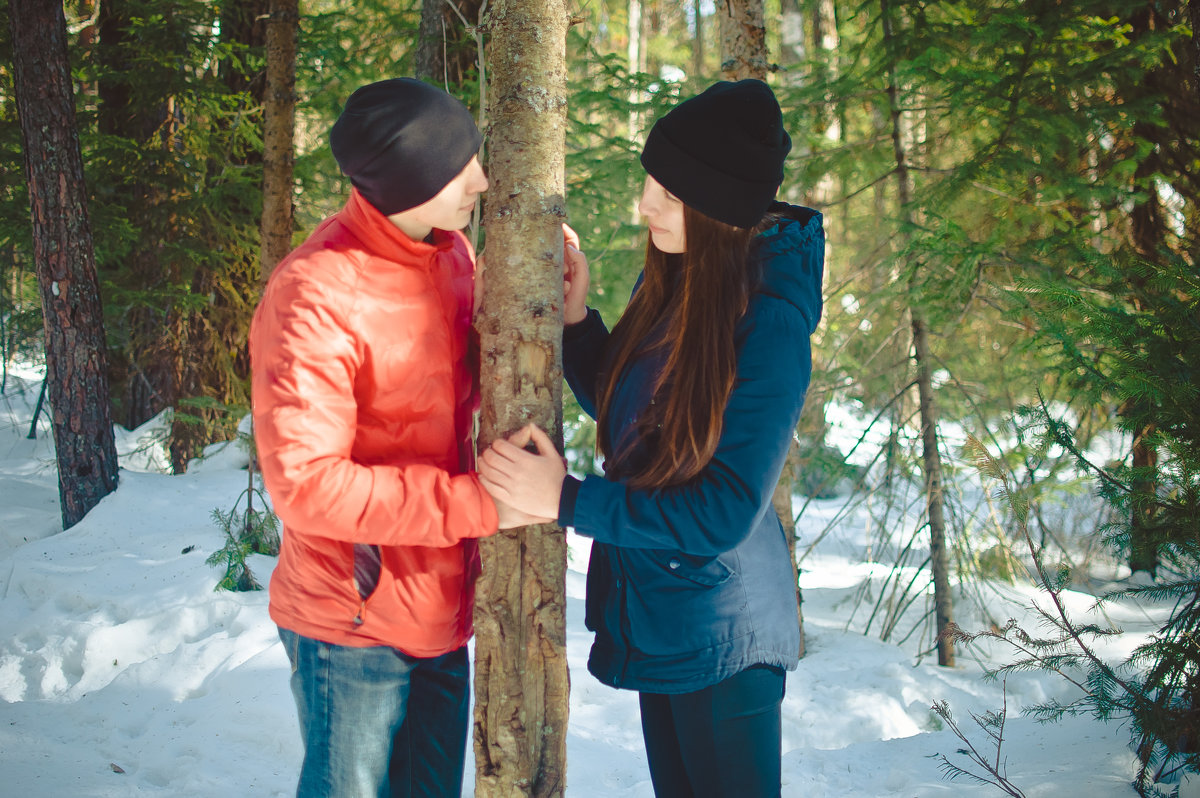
(722, 151)
(400, 141)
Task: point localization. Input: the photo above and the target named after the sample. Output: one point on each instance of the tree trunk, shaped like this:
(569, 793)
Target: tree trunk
(76, 362)
(931, 458)
(279, 126)
(781, 500)
(698, 44)
(792, 41)
(141, 366)
(743, 39)
(521, 676)
(446, 50)
(212, 366)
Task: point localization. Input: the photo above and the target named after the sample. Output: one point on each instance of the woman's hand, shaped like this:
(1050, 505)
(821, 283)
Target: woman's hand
(527, 482)
(575, 278)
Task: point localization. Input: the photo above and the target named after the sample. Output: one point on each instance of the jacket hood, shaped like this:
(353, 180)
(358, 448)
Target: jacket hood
(793, 258)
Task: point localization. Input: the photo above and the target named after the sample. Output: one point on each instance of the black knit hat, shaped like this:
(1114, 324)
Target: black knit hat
(722, 151)
(400, 141)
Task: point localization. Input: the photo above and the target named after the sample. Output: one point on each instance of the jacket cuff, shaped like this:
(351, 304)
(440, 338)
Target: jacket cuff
(566, 500)
(581, 329)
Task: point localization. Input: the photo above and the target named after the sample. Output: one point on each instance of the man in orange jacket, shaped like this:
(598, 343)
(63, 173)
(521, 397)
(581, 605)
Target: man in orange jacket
(364, 386)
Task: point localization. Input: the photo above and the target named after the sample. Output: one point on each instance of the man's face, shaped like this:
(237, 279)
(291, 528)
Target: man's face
(450, 209)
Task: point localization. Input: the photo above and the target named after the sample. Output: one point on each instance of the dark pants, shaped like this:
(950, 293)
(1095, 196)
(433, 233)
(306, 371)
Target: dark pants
(377, 723)
(720, 742)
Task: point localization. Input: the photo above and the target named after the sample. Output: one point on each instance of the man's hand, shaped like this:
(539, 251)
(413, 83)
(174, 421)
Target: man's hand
(529, 482)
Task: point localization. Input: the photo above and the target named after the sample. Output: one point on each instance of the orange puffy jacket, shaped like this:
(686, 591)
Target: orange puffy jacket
(363, 402)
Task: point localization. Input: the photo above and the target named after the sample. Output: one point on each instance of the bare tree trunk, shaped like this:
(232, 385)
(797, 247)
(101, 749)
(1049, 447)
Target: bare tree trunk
(446, 50)
(76, 359)
(743, 39)
(698, 44)
(781, 500)
(931, 458)
(637, 63)
(279, 126)
(521, 677)
(792, 50)
(141, 369)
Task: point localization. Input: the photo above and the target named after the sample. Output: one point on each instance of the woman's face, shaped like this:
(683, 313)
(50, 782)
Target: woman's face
(664, 214)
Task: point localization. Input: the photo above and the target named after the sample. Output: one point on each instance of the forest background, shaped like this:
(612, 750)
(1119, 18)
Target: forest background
(1010, 194)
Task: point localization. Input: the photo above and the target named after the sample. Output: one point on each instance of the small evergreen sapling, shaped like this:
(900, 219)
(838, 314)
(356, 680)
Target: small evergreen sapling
(250, 532)
(995, 768)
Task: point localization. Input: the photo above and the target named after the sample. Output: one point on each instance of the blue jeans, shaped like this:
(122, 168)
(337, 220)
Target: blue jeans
(720, 742)
(377, 723)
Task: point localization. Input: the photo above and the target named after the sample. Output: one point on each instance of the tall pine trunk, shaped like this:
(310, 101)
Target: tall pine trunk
(279, 126)
(931, 458)
(76, 360)
(743, 39)
(521, 677)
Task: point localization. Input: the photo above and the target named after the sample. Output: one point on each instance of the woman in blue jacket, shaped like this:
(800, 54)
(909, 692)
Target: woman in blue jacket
(697, 391)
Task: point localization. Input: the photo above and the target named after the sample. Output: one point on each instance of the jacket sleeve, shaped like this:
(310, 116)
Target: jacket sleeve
(583, 353)
(718, 508)
(304, 363)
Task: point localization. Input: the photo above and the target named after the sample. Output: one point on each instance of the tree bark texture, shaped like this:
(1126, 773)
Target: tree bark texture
(743, 39)
(76, 363)
(279, 126)
(931, 458)
(521, 677)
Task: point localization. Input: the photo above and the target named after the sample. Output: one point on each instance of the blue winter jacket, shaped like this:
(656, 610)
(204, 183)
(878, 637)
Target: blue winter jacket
(688, 585)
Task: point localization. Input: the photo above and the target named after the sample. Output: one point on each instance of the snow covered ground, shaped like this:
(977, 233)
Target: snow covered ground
(123, 673)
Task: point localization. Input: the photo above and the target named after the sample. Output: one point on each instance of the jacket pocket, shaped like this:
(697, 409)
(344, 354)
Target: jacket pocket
(367, 565)
(678, 603)
(599, 588)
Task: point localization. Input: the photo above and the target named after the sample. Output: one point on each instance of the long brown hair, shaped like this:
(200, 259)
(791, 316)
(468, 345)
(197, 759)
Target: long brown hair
(701, 293)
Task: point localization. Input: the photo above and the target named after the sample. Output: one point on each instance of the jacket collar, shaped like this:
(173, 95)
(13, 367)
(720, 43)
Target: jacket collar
(380, 236)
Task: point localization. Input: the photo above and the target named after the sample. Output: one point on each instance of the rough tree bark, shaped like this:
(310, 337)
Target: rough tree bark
(279, 125)
(931, 458)
(743, 39)
(521, 677)
(76, 361)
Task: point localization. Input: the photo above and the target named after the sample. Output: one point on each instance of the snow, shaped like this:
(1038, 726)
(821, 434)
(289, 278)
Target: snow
(122, 672)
